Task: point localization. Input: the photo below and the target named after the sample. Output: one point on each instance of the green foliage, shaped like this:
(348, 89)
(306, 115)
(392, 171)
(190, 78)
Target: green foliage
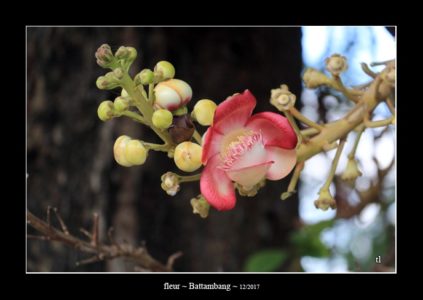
(265, 261)
(307, 240)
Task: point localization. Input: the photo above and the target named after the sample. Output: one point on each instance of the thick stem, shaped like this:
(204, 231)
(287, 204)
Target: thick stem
(338, 129)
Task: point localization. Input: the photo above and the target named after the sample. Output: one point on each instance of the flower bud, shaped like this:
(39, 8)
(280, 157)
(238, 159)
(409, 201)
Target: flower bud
(162, 118)
(282, 98)
(124, 93)
(325, 200)
(146, 76)
(109, 81)
(119, 149)
(165, 70)
(313, 78)
(135, 152)
(118, 73)
(172, 94)
(104, 56)
(181, 129)
(180, 111)
(188, 156)
(336, 64)
(351, 171)
(200, 206)
(203, 112)
(105, 110)
(121, 104)
(170, 183)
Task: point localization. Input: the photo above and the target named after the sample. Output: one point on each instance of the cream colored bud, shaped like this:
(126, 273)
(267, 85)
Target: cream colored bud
(165, 70)
(121, 104)
(204, 111)
(188, 156)
(282, 98)
(336, 64)
(146, 76)
(135, 152)
(119, 149)
(162, 118)
(105, 110)
(170, 183)
(172, 94)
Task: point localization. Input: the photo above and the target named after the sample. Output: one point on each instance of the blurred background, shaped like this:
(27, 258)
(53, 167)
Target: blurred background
(71, 166)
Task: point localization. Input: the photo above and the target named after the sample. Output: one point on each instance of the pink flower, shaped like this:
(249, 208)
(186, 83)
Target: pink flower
(244, 148)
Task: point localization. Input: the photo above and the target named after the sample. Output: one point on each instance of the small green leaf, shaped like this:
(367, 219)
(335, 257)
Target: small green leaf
(265, 261)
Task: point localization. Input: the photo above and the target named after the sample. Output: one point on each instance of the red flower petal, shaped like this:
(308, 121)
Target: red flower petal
(211, 144)
(234, 112)
(275, 128)
(216, 186)
(284, 161)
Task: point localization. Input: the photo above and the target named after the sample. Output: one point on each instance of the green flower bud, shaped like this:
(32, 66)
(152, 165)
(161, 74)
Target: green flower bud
(180, 111)
(162, 118)
(118, 73)
(108, 82)
(124, 93)
(104, 56)
(122, 52)
(188, 156)
(135, 152)
(203, 112)
(121, 104)
(105, 110)
(165, 70)
(146, 76)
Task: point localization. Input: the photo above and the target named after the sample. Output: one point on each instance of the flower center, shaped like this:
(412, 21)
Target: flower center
(236, 144)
